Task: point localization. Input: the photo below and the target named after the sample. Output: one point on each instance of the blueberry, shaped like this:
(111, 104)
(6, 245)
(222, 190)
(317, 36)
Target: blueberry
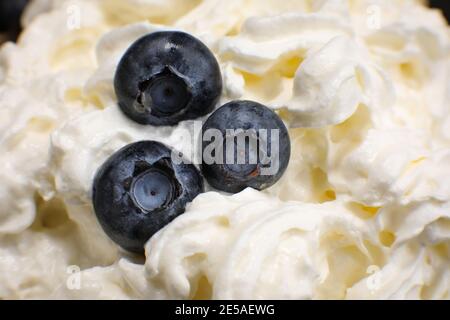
(166, 77)
(10, 13)
(245, 144)
(139, 190)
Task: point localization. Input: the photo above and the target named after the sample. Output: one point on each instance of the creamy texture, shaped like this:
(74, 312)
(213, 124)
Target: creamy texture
(363, 210)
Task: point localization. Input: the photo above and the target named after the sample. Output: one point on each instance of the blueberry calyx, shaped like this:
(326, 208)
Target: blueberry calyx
(165, 94)
(156, 188)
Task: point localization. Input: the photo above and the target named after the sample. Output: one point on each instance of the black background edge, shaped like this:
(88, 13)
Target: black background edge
(167, 309)
(444, 5)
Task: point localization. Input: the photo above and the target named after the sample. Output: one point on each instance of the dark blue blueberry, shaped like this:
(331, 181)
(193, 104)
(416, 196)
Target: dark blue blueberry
(258, 150)
(166, 77)
(139, 190)
(10, 13)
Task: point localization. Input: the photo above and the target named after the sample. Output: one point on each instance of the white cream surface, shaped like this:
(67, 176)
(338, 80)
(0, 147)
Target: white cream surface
(362, 212)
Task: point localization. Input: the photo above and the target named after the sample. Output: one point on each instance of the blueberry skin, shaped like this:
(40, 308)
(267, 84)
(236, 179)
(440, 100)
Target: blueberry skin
(166, 77)
(139, 190)
(246, 115)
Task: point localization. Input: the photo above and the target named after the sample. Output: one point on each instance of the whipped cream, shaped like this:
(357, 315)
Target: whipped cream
(363, 210)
